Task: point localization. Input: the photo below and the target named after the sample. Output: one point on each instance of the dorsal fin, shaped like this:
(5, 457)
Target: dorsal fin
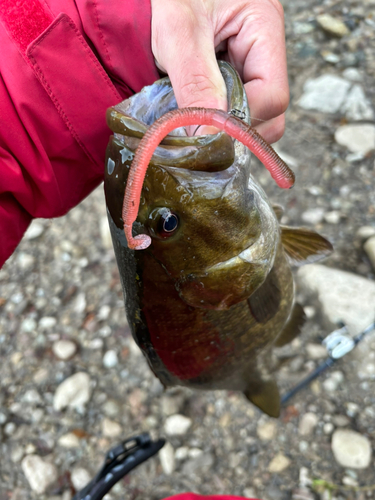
(304, 246)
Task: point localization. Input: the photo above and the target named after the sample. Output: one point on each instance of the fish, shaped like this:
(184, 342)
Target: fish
(213, 295)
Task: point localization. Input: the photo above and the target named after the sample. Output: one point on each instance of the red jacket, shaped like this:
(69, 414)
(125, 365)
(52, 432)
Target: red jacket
(62, 64)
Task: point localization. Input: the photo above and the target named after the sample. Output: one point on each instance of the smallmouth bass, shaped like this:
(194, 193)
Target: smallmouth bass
(214, 292)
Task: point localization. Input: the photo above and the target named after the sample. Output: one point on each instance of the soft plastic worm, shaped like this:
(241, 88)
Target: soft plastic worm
(233, 126)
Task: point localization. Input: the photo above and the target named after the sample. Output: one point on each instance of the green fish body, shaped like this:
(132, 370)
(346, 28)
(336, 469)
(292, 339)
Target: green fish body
(214, 293)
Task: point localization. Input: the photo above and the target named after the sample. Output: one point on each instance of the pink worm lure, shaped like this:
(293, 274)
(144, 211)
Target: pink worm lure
(233, 126)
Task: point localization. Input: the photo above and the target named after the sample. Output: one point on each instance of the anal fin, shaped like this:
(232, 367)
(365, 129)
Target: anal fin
(293, 326)
(265, 395)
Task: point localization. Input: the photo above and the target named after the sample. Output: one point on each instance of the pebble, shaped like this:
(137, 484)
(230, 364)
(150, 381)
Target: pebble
(110, 428)
(111, 408)
(352, 74)
(348, 297)
(313, 216)
(351, 449)
(110, 359)
(167, 459)
(279, 463)
(47, 322)
(39, 473)
(74, 392)
(34, 230)
(328, 428)
(64, 349)
(316, 351)
(340, 420)
(25, 261)
(177, 425)
(80, 477)
(69, 440)
(326, 93)
(332, 217)
(266, 431)
(369, 248)
(356, 106)
(182, 453)
(332, 383)
(28, 325)
(307, 424)
(365, 232)
(32, 397)
(171, 404)
(199, 465)
(358, 138)
(332, 26)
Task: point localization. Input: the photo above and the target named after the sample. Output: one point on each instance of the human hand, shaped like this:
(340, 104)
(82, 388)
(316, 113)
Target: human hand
(188, 34)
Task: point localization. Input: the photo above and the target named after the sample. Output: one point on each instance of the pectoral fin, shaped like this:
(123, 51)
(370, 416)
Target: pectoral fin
(279, 211)
(265, 395)
(293, 326)
(265, 302)
(304, 246)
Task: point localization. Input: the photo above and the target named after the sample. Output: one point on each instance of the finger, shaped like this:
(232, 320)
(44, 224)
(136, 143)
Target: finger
(272, 130)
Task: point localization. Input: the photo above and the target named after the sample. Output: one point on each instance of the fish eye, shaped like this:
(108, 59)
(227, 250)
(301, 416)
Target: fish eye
(168, 223)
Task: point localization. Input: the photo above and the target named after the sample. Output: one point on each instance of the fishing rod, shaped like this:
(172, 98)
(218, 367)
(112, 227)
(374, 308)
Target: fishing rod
(338, 344)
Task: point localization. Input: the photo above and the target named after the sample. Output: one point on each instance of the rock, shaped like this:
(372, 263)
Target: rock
(182, 453)
(32, 397)
(267, 430)
(47, 322)
(352, 74)
(110, 359)
(358, 138)
(307, 424)
(64, 349)
(74, 392)
(328, 428)
(80, 303)
(332, 26)
(39, 473)
(177, 425)
(171, 404)
(340, 420)
(80, 477)
(110, 428)
(333, 381)
(365, 232)
(316, 351)
(326, 93)
(279, 463)
(198, 465)
(69, 440)
(332, 217)
(356, 106)
(313, 216)
(25, 261)
(351, 449)
(369, 248)
(342, 296)
(34, 230)
(167, 459)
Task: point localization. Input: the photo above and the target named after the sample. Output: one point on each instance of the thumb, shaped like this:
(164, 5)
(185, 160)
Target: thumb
(185, 50)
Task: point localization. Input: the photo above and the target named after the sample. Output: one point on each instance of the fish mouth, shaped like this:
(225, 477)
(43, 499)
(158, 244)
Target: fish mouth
(250, 255)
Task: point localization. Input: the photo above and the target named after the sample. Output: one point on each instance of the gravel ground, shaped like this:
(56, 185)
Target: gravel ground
(62, 315)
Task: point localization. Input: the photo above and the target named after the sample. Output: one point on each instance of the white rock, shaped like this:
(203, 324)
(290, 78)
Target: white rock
(74, 392)
(64, 349)
(316, 351)
(182, 453)
(40, 474)
(80, 477)
(351, 449)
(266, 430)
(326, 93)
(69, 440)
(110, 359)
(80, 303)
(34, 230)
(25, 261)
(332, 217)
(358, 138)
(307, 424)
(365, 232)
(369, 248)
(32, 397)
(342, 296)
(313, 216)
(105, 233)
(352, 74)
(167, 459)
(177, 425)
(279, 463)
(47, 322)
(333, 381)
(110, 428)
(356, 106)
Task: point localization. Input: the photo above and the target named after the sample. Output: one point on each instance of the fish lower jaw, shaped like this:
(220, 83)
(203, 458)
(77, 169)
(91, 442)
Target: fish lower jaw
(250, 255)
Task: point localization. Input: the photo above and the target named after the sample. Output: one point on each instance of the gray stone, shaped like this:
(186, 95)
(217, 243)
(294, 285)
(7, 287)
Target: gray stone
(369, 248)
(326, 93)
(34, 230)
(266, 430)
(365, 232)
(332, 383)
(307, 424)
(80, 477)
(69, 440)
(177, 425)
(352, 74)
(316, 351)
(356, 106)
(279, 463)
(351, 449)
(74, 392)
(313, 216)
(199, 465)
(358, 138)
(332, 26)
(39, 473)
(342, 296)
(332, 217)
(110, 428)
(47, 322)
(110, 359)
(167, 459)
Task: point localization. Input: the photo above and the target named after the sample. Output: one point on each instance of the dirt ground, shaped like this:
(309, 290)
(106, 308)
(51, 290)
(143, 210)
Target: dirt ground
(64, 284)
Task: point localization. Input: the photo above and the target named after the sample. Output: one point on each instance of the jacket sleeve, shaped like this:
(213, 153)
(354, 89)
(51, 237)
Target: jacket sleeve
(55, 87)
